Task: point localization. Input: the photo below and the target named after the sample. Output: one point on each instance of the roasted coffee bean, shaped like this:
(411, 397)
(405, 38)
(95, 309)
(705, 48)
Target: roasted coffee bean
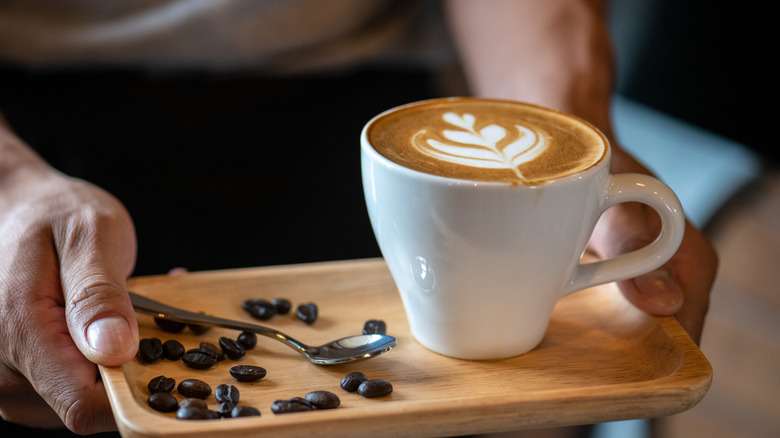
(352, 381)
(374, 327)
(302, 400)
(193, 403)
(247, 373)
(232, 349)
(244, 411)
(172, 349)
(260, 309)
(150, 350)
(199, 359)
(307, 312)
(210, 348)
(161, 384)
(194, 388)
(163, 402)
(225, 393)
(193, 413)
(248, 340)
(375, 388)
(282, 305)
(323, 399)
(170, 326)
(225, 409)
(292, 405)
(198, 329)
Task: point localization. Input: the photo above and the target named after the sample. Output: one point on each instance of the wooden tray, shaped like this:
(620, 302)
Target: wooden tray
(601, 360)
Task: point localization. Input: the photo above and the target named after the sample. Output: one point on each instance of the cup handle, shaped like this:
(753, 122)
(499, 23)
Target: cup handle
(634, 187)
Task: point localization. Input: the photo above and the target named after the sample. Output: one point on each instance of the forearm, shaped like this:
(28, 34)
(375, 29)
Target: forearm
(551, 52)
(555, 53)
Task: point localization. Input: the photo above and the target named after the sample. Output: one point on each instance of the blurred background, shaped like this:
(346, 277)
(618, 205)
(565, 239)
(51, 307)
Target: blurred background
(697, 86)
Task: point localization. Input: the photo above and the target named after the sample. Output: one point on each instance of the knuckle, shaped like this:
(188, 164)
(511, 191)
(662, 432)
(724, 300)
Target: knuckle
(91, 297)
(67, 404)
(80, 414)
(74, 416)
(85, 226)
(84, 238)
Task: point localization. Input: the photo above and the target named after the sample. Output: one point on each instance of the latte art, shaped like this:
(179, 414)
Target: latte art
(491, 148)
(486, 140)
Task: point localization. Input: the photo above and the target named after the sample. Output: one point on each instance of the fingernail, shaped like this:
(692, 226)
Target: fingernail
(109, 335)
(659, 287)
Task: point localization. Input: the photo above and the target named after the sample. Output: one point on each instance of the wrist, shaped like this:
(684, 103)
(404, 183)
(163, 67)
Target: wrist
(18, 162)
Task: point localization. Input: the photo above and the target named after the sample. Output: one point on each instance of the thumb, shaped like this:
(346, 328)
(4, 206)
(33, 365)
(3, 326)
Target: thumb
(101, 321)
(97, 252)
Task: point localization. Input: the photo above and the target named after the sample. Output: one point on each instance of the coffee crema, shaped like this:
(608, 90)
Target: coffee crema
(487, 140)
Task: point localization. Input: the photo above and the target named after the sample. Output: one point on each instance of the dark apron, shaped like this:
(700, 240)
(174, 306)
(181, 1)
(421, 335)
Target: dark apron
(217, 171)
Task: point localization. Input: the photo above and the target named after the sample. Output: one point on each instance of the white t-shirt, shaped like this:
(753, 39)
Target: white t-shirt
(273, 36)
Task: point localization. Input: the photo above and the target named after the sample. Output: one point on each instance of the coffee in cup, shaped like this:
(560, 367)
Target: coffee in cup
(487, 140)
(482, 209)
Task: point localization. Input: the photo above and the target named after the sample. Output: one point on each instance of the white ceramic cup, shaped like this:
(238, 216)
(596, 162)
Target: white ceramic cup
(480, 265)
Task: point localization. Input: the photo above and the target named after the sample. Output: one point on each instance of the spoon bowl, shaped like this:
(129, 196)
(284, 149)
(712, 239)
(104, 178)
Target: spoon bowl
(348, 349)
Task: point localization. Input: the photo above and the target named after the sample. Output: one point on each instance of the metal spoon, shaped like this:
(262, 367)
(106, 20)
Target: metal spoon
(349, 349)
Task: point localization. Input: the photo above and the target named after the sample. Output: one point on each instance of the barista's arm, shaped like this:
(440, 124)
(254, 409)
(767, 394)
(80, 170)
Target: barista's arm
(67, 248)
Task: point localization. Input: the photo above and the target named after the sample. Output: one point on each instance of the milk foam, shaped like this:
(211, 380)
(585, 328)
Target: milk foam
(486, 140)
(493, 147)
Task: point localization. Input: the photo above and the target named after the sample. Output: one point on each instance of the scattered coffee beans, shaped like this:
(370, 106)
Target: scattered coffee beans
(194, 388)
(265, 310)
(375, 388)
(199, 359)
(170, 326)
(194, 406)
(374, 327)
(161, 384)
(307, 312)
(244, 411)
(173, 349)
(323, 399)
(232, 349)
(248, 340)
(225, 393)
(163, 402)
(352, 381)
(247, 373)
(150, 350)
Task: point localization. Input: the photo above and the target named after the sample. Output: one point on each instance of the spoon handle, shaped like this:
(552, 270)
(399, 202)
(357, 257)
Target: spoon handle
(164, 311)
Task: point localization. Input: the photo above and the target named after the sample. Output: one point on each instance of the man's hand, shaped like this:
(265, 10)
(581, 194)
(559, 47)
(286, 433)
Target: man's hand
(557, 53)
(682, 286)
(67, 249)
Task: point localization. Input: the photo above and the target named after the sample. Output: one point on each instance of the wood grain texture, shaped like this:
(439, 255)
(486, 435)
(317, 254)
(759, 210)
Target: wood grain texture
(742, 334)
(601, 360)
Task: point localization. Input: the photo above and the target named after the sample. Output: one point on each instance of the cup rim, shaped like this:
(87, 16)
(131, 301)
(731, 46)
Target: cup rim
(366, 147)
